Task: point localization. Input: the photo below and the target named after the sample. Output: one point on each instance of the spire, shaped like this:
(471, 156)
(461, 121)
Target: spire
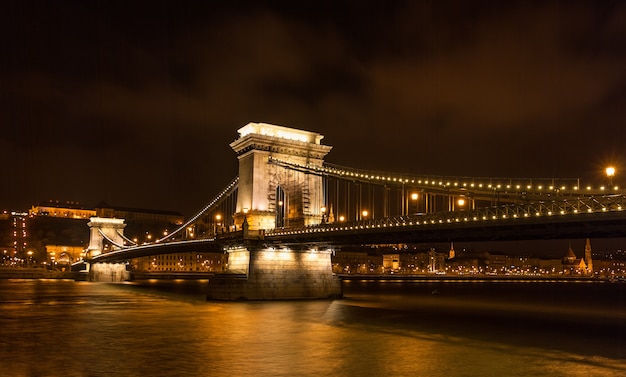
(452, 253)
(588, 260)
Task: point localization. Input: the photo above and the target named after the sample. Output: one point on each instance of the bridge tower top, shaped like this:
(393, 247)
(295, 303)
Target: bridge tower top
(101, 227)
(269, 195)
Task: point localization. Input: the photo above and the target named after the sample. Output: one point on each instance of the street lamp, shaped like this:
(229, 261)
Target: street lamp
(414, 197)
(323, 210)
(610, 173)
(364, 214)
(218, 222)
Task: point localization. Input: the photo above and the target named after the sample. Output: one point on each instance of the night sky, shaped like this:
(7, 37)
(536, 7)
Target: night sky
(135, 102)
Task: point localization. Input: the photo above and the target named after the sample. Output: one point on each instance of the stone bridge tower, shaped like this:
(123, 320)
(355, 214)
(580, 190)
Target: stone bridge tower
(271, 195)
(99, 227)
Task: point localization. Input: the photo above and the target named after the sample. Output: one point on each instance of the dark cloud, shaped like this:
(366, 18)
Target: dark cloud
(136, 103)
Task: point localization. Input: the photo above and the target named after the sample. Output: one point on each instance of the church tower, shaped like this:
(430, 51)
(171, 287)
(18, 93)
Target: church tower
(588, 260)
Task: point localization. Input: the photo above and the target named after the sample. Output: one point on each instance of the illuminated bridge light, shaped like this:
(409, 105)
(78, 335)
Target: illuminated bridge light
(494, 217)
(588, 187)
(515, 215)
(575, 210)
(537, 214)
(472, 185)
(589, 210)
(603, 209)
(517, 187)
(562, 212)
(484, 217)
(549, 213)
(475, 218)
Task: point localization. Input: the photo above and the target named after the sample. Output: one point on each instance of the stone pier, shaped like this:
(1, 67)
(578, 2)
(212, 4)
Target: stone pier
(266, 273)
(108, 272)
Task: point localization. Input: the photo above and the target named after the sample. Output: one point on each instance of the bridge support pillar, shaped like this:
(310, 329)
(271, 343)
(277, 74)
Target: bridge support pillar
(108, 272)
(260, 273)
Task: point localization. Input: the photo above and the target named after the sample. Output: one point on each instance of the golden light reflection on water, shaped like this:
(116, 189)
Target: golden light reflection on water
(104, 329)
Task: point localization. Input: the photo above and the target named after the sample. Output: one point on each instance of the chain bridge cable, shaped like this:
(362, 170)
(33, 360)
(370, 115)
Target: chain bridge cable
(122, 246)
(131, 242)
(232, 186)
(476, 184)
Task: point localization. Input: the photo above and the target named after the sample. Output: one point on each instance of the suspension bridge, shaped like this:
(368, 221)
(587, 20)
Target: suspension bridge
(280, 218)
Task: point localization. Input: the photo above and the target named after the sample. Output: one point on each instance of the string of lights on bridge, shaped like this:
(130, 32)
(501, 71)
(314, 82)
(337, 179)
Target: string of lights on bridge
(447, 183)
(578, 206)
(216, 201)
(572, 206)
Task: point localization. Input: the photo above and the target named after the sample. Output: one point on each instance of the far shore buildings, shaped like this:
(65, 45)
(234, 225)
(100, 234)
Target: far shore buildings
(425, 262)
(55, 233)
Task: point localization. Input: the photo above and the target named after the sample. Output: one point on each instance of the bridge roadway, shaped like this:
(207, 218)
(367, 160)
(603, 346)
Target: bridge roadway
(592, 217)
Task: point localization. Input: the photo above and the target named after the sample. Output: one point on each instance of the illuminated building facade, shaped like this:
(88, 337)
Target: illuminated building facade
(138, 214)
(71, 210)
(60, 255)
(182, 262)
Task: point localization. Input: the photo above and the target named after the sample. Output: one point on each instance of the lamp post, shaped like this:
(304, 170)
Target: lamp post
(218, 223)
(414, 197)
(610, 173)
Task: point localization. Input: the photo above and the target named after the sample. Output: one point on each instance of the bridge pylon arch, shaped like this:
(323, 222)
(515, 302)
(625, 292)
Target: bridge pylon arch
(261, 181)
(101, 228)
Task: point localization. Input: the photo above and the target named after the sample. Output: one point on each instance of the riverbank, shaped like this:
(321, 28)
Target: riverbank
(39, 273)
(35, 273)
(472, 277)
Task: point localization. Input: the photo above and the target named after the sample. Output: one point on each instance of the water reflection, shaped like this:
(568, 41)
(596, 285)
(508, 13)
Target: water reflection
(54, 328)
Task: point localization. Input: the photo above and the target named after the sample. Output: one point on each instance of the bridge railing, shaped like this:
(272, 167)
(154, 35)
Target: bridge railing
(539, 209)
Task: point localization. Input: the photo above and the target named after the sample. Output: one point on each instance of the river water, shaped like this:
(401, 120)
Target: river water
(381, 328)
